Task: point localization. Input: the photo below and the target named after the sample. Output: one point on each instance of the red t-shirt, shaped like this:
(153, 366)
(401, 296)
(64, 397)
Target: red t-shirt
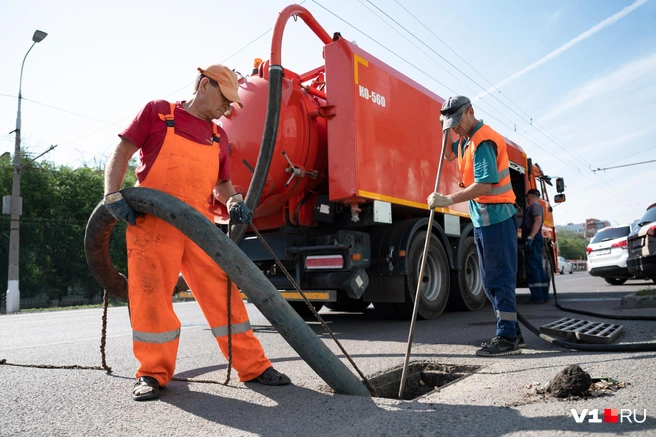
(147, 132)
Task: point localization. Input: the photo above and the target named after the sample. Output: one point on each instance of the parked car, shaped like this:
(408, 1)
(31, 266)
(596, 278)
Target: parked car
(642, 246)
(607, 254)
(565, 266)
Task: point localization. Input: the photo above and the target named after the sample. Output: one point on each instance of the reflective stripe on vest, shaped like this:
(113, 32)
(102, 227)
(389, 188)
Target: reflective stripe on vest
(160, 337)
(502, 191)
(222, 331)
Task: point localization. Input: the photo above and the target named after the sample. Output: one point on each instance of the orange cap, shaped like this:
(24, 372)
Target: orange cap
(227, 80)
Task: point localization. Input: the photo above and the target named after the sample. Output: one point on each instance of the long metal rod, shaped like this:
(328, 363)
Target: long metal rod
(445, 136)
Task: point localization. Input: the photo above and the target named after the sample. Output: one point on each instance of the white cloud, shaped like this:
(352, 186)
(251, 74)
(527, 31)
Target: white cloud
(625, 76)
(551, 19)
(571, 43)
(612, 143)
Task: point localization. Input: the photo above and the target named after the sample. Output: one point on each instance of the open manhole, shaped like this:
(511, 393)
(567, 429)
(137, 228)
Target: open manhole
(422, 377)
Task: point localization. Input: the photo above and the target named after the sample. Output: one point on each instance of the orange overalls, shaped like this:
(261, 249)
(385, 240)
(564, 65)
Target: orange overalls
(157, 252)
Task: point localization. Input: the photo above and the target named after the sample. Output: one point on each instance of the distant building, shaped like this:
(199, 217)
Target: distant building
(593, 225)
(577, 228)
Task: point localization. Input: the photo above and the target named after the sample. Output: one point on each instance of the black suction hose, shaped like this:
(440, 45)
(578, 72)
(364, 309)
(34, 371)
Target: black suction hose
(589, 313)
(266, 149)
(234, 262)
(633, 347)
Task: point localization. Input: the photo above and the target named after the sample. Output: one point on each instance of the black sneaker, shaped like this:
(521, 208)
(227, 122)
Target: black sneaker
(498, 347)
(520, 341)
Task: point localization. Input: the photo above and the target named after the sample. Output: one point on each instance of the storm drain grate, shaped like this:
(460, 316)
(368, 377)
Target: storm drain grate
(583, 330)
(423, 377)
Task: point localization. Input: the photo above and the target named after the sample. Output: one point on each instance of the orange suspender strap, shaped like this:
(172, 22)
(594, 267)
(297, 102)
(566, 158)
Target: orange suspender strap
(216, 136)
(168, 118)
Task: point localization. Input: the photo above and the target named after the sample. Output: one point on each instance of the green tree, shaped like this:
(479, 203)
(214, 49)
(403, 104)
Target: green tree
(572, 245)
(57, 203)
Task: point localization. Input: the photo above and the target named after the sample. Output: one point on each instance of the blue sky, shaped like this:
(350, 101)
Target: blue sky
(572, 82)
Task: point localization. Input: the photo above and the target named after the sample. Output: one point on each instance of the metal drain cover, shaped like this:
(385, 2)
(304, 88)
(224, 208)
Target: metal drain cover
(583, 330)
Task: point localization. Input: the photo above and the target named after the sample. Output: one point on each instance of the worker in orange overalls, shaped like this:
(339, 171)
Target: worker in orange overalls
(484, 166)
(182, 152)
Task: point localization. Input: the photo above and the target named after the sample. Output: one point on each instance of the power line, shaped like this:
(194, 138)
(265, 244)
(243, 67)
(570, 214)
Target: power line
(380, 44)
(459, 57)
(625, 165)
(530, 121)
(637, 153)
(544, 148)
(547, 135)
(427, 55)
(59, 109)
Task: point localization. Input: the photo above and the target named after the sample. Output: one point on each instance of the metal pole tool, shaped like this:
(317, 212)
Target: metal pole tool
(445, 136)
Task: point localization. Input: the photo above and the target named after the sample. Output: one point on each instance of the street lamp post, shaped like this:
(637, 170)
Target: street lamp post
(13, 291)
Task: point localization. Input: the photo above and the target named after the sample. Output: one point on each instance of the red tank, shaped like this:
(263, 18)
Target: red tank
(299, 159)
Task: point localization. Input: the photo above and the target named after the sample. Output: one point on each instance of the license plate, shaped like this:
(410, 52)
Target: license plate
(602, 252)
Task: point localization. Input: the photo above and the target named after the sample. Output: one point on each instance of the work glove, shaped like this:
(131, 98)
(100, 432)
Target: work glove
(436, 199)
(119, 208)
(529, 243)
(239, 212)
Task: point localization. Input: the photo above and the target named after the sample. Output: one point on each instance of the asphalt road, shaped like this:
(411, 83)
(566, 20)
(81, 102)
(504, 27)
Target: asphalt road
(499, 399)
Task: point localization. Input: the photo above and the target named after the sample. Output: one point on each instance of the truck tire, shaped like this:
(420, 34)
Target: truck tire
(615, 281)
(467, 292)
(435, 292)
(547, 264)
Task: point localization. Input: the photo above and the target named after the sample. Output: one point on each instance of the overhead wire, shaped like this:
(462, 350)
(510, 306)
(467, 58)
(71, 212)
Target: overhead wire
(531, 122)
(544, 132)
(117, 123)
(426, 54)
(631, 156)
(621, 196)
(380, 44)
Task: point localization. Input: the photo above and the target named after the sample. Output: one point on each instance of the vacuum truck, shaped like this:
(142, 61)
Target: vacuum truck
(353, 150)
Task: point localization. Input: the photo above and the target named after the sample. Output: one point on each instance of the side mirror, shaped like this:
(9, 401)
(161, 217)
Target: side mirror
(529, 164)
(559, 198)
(560, 186)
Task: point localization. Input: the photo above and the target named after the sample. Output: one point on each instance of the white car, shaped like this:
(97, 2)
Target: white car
(565, 266)
(607, 254)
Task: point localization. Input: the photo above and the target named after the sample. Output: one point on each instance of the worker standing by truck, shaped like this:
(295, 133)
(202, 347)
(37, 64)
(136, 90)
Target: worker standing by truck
(182, 153)
(533, 241)
(483, 162)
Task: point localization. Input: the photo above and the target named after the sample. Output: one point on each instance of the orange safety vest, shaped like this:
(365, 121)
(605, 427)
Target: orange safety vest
(501, 192)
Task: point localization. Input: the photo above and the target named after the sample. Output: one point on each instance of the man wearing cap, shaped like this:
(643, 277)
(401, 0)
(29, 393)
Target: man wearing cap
(532, 221)
(182, 152)
(483, 162)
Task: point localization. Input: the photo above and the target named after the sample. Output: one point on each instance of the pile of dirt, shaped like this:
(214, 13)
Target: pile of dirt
(571, 381)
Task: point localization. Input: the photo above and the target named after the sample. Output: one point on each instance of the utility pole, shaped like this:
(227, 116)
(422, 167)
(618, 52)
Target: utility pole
(13, 290)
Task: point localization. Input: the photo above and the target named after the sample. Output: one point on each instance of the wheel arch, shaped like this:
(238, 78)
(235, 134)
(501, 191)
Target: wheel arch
(399, 236)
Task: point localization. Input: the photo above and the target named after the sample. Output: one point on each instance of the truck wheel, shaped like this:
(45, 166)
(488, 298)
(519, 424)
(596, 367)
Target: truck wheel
(547, 264)
(467, 292)
(615, 281)
(435, 289)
